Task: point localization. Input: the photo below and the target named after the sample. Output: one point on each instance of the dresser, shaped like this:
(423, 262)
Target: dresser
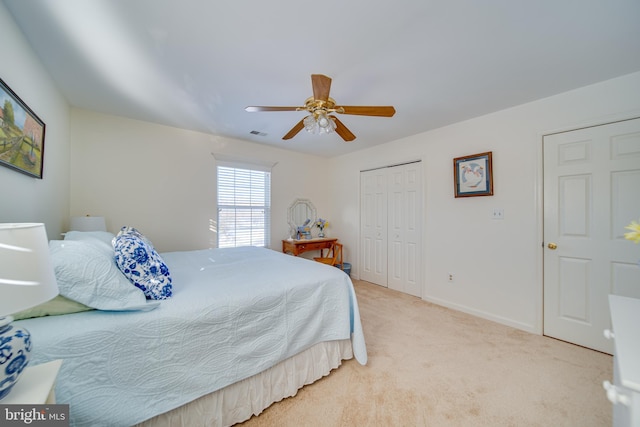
(297, 247)
(624, 393)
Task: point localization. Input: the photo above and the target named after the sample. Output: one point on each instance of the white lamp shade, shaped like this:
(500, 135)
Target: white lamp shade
(88, 223)
(26, 271)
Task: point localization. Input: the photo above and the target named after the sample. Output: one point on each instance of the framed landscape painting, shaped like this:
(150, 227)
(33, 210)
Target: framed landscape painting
(473, 175)
(21, 134)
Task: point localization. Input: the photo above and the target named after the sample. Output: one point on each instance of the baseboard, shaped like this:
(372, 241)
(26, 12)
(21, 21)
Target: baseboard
(483, 314)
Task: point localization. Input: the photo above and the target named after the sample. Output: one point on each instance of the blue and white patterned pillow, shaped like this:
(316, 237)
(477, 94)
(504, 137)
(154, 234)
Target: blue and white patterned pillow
(132, 231)
(143, 266)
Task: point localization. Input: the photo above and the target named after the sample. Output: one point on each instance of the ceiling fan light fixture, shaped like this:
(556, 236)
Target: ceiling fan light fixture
(310, 124)
(323, 120)
(328, 126)
(319, 122)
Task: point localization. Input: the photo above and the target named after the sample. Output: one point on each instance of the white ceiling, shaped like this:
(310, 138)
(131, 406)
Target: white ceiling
(196, 64)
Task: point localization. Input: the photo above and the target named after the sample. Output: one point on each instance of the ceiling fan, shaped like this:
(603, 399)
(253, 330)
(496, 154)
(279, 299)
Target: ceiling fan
(321, 106)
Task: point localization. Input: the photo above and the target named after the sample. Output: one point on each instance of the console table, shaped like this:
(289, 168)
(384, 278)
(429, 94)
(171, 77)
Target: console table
(296, 247)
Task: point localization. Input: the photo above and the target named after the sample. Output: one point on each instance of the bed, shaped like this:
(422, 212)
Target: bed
(242, 328)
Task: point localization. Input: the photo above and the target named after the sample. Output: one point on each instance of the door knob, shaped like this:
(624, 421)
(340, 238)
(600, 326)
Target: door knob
(552, 246)
(614, 394)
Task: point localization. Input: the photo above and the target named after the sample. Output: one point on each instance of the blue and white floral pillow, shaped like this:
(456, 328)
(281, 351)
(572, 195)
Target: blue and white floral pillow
(143, 266)
(132, 231)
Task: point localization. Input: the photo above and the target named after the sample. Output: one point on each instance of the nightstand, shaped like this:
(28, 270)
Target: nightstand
(36, 385)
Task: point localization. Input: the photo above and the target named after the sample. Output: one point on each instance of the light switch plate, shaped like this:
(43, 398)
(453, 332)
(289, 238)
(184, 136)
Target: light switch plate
(498, 213)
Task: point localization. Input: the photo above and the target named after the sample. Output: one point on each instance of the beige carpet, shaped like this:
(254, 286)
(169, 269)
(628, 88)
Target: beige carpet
(432, 366)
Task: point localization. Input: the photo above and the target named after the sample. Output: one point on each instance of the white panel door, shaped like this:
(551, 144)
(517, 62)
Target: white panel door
(404, 231)
(373, 226)
(591, 192)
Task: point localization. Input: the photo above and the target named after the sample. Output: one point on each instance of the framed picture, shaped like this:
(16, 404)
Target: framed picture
(21, 134)
(473, 175)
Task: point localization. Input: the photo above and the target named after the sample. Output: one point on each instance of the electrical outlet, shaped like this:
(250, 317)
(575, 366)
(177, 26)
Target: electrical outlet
(451, 277)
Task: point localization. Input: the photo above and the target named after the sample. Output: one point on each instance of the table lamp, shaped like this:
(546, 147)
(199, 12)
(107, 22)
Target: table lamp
(87, 223)
(27, 279)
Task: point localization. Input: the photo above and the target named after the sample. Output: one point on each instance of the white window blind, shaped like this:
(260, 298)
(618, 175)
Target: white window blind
(244, 207)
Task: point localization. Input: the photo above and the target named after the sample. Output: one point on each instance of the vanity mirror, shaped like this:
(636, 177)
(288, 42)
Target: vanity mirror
(299, 212)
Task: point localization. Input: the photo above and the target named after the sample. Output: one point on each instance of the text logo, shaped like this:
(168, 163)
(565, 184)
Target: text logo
(34, 415)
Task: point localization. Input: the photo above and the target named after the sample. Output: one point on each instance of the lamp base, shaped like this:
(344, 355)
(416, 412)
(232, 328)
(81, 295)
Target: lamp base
(15, 349)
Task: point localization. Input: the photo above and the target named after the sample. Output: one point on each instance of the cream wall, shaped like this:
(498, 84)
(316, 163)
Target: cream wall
(497, 264)
(162, 180)
(24, 198)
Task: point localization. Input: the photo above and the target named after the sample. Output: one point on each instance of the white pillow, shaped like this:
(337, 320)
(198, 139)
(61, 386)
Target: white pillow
(86, 272)
(99, 236)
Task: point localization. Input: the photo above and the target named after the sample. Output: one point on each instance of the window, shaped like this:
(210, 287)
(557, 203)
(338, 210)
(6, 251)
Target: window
(244, 207)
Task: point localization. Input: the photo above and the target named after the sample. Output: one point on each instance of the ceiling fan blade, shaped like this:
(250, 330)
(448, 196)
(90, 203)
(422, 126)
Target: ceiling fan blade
(380, 111)
(255, 109)
(294, 130)
(342, 130)
(321, 86)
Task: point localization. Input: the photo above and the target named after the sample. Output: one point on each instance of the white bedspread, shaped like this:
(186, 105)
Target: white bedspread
(234, 313)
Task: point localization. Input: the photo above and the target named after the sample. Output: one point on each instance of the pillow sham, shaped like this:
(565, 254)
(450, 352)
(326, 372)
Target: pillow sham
(87, 273)
(143, 266)
(57, 306)
(91, 236)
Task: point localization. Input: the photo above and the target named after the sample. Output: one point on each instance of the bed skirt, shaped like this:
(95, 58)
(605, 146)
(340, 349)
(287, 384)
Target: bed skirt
(240, 401)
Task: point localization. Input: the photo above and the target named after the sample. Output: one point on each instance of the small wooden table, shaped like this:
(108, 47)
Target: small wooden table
(296, 247)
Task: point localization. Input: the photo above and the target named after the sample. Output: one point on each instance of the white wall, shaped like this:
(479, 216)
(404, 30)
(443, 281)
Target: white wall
(162, 180)
(496, 263)
(24, 198)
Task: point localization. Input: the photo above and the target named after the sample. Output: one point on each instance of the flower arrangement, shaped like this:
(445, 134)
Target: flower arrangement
(634, 234)
(321, 224)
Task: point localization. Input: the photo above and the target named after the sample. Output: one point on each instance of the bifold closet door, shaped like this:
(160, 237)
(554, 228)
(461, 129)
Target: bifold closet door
(404, 233)
(391, 234)
(373, 226)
